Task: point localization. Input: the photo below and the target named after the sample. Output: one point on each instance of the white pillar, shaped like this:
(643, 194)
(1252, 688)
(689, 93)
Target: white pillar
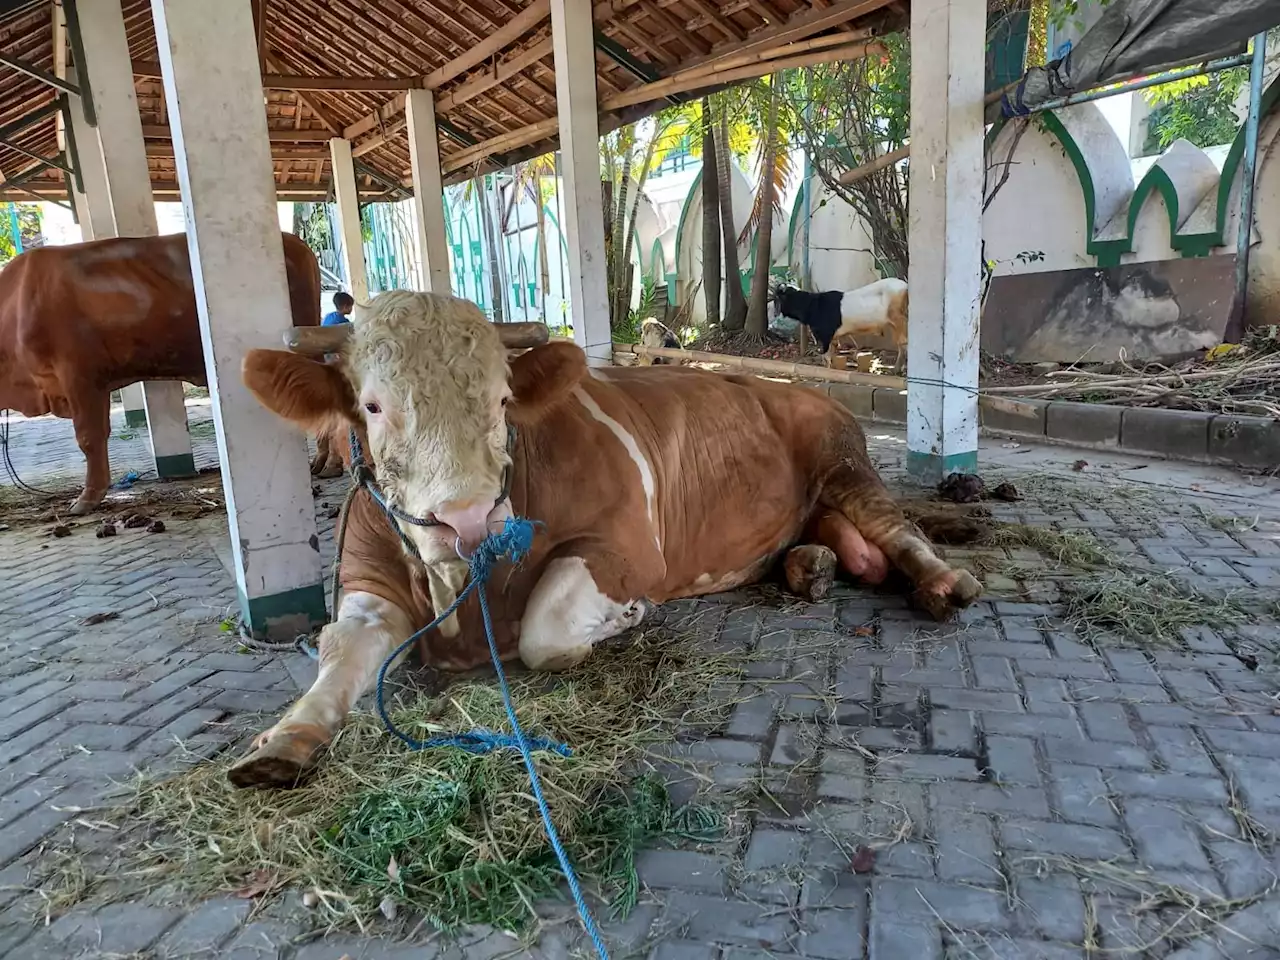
(573, 42)
(428, 190)
(124, 159)
(348, 197)
(93, 210)
(93, 206)
(945, 221)
(213, 86)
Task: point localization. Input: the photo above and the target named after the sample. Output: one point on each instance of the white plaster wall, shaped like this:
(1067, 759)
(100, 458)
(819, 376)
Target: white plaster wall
(690, 260)
(1040, 208)
(1151, 237)
(1263, 306)
(840, 256)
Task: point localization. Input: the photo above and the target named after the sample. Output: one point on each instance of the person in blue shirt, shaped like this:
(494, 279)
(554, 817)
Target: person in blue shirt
(343, 303)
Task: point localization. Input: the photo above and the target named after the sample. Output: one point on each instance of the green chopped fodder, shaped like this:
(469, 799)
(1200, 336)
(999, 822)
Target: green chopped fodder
(452, 836)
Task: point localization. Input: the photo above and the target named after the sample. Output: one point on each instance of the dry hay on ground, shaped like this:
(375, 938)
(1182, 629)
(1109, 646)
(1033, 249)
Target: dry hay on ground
(449, 836)
(186, 499)
(1233, 379)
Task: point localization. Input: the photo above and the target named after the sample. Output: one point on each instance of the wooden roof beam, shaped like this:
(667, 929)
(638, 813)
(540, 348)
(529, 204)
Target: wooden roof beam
(303, 82)
(530, 17)
(153, 131)
(677, 83)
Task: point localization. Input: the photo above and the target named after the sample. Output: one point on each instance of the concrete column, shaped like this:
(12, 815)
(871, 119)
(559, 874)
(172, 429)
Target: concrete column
(213, 86)
(93, 206)
(945, 222)
(93, 210)
(344, 187)
(428, 190)
(124, 160)
(573, 42)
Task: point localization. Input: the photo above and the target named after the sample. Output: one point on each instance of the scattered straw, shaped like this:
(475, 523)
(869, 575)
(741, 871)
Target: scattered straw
(450, 835)
(1068, 548)
(1145, 609)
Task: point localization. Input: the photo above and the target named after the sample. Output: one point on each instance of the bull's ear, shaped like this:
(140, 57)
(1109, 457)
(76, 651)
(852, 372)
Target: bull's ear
(543, 378)
(314, 395)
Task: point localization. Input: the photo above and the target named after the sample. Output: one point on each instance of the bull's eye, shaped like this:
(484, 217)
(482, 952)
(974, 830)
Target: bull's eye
(505, 401)
(372, 408)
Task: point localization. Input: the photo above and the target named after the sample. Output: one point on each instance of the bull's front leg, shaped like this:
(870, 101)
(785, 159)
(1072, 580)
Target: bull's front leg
(576, 604)
(352, 649)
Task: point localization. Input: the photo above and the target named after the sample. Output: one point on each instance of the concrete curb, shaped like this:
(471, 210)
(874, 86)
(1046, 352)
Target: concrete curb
(1176, 434)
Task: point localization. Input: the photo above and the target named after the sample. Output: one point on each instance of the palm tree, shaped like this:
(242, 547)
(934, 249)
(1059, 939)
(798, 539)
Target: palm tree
(630, 156)
(735, 313)
(530, 177)
(775, 171)
(710, 218)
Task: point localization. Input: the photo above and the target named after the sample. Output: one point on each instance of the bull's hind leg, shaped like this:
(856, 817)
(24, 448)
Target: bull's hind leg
(862, 501)
(351, 651)
(810, 570)
(91, 418)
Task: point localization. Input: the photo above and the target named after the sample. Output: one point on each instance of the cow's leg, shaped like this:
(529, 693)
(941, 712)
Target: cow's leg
(322, 453)
(865, 528)
(569, 613)
(351, 651)
(91, 418)
(328, 461)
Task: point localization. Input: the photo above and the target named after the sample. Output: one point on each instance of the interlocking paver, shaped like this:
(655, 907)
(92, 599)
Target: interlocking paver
(984, 762)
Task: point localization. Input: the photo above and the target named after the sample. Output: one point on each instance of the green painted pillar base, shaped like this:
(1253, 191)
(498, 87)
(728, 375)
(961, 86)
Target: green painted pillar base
(929, 469)
(135, 418)
(283, 616)
(176, 467)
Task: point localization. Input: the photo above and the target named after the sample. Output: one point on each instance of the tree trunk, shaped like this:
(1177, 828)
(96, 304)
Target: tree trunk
(626, 273)
(544, 262)
(710, 218)
(757, 324)
(617, 308)
(491, 240)
(735, 312)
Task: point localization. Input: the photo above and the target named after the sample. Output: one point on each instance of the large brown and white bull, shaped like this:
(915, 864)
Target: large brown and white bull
(79, 321)
(651, 484)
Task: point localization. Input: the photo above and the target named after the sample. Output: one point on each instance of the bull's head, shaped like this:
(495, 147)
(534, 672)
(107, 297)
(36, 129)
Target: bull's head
(428, 380)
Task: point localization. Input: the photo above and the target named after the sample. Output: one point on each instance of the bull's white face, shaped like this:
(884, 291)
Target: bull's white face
(430, 380)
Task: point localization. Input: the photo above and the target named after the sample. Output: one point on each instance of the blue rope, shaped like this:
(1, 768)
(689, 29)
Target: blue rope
(512, 543)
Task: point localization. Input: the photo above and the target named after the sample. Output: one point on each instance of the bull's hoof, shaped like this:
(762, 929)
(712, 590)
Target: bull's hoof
(83, 504)
(810, 571)
(282, 761)
(330, 470)
(945, 594)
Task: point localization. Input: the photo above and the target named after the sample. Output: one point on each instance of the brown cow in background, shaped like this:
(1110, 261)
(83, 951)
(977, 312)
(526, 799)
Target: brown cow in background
(79, 321)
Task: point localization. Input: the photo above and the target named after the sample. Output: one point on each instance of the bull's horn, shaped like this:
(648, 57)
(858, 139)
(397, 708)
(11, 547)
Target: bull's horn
(317, 341)
(521, 336)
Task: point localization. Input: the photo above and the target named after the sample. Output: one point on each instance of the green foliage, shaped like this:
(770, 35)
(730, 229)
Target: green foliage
(1063, 13)
(1197, 109)
(28, 229)
(628, 330)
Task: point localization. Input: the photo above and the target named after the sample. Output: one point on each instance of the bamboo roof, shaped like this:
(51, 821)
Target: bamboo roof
(341, 68)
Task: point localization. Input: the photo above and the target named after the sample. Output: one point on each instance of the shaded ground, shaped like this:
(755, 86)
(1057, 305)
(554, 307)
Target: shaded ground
(1015, 785)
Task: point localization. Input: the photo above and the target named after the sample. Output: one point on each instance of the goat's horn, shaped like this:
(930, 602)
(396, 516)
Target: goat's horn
(317, 341)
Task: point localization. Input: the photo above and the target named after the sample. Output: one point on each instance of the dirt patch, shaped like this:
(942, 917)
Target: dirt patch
(136, 507)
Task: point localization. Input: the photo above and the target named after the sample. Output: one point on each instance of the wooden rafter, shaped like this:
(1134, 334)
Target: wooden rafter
(343, 68)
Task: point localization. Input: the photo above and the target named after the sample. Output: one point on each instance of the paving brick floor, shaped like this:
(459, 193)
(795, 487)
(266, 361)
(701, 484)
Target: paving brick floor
(1032, 796)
